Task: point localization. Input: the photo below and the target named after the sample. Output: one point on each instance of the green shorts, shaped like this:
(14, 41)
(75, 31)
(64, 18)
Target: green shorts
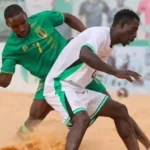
(95, 85)
(40, 90)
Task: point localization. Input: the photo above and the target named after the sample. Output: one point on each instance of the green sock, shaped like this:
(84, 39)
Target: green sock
(24, 129)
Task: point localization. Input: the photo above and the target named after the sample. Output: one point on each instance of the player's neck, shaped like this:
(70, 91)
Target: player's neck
(114, 40)
(29, 29)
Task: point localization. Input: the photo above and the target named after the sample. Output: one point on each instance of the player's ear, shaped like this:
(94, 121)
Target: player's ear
(25, 14)
(122, 24)
(7, 23)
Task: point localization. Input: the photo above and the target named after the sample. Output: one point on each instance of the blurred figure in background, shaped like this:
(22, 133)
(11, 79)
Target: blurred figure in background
(52, 4)
(21, 3)
(93, 10)
(119, 5)
(144, 8)
(36, 6)
(66, 7)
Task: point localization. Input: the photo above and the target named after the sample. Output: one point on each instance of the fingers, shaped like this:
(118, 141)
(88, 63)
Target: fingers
(129, 79)
(135, 75)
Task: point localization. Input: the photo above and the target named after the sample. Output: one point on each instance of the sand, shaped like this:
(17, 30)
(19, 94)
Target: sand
(50, 135)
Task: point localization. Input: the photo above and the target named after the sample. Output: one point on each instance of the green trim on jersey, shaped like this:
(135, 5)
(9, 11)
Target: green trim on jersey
(64, 75)
(89, 46)
(58, 85)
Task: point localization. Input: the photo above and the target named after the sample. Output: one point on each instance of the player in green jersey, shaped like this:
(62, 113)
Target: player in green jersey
(34, 44)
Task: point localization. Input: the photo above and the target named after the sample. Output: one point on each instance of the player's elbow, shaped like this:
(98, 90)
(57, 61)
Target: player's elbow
(5, 80)
(5, 84)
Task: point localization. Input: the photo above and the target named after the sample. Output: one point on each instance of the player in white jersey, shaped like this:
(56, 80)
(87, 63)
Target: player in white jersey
(77, 65)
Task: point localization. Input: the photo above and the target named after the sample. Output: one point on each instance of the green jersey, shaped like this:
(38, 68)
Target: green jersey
(38, 51)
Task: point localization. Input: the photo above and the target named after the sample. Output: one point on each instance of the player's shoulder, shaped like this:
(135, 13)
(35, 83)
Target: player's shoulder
(11, 38)
(99, 31)
(39, 14)
(9, 42)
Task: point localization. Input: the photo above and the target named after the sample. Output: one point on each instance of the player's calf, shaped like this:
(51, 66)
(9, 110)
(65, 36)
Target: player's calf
(38, 111)
(80, 124)
(118, 112)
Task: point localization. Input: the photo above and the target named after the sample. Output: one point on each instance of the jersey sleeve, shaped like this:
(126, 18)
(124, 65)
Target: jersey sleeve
(56, 17)
(8, 65)
(95, 42)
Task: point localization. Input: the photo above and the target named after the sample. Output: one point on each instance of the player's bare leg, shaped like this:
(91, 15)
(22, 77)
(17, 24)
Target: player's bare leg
(118, 112)
(140, 134)
(138, 131)
(80, 124)
(38, 111)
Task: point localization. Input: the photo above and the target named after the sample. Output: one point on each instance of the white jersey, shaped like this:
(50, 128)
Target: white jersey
(69, 69)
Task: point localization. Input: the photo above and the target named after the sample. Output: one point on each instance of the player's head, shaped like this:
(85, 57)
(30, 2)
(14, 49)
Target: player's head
(125, 26)
(16, 19)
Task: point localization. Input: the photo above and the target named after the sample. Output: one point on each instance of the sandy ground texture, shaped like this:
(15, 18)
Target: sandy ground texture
(51, 134)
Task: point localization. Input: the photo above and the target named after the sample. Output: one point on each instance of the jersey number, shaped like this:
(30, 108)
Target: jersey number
(39, 47)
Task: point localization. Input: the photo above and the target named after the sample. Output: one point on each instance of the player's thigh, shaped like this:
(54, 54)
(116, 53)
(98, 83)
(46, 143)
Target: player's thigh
(113, 109)
(39, 108)
(39, 93)
(67, 104)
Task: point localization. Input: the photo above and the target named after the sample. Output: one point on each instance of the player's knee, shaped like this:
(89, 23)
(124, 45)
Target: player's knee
(81, 119)
(122, 112)
(39, 110)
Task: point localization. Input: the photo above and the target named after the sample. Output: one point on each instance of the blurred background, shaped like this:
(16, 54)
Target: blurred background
(93, 13)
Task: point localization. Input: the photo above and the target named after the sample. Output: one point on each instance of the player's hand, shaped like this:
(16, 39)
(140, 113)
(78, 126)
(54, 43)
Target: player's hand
(128, 74)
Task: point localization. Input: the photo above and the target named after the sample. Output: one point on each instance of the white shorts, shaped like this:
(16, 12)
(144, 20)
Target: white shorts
(70, 102)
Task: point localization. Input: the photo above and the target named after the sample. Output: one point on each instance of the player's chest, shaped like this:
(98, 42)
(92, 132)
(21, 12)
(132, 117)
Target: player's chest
(38, 40)
(104, 52)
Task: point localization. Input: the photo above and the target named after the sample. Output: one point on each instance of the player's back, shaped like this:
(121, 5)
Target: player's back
(38, 51)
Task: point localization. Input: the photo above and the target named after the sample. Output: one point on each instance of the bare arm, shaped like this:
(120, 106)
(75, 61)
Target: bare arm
(5, 79)
(95, 62)
(92, 60)
(74, 22)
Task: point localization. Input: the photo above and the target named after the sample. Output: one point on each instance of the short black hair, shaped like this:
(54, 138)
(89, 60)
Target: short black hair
(12, 11)
(125, 14)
